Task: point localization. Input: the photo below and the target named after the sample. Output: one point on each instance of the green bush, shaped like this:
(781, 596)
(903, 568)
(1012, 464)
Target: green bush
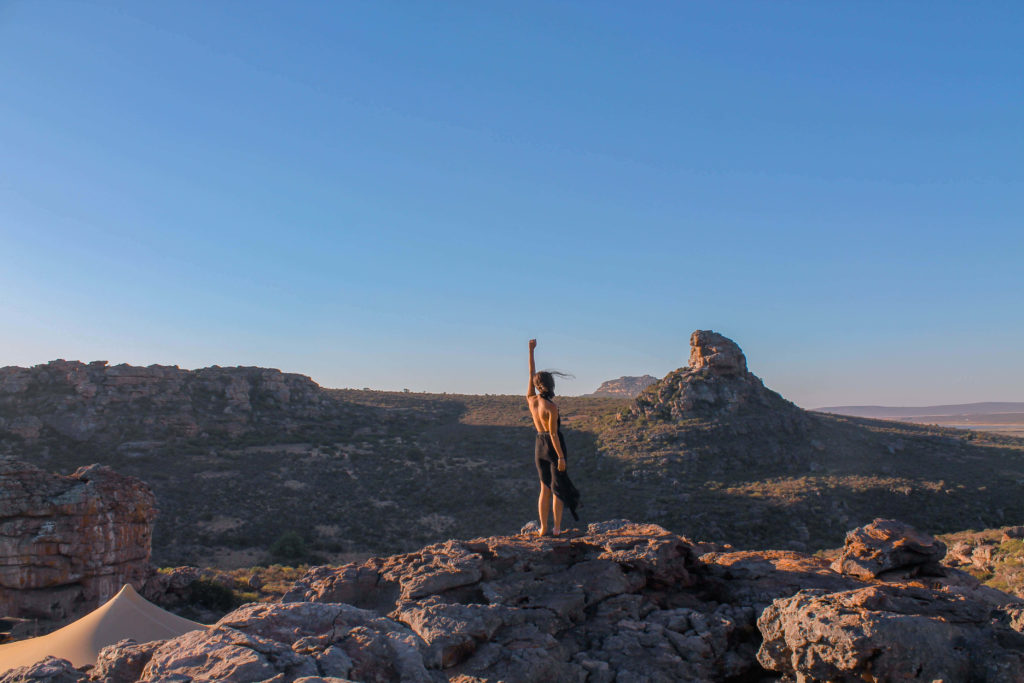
(289, 546)
(211, 595)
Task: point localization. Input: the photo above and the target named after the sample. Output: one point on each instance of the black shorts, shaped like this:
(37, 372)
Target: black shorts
(546, 457)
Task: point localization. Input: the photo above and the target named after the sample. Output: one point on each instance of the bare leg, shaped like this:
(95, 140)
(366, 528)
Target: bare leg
(556, 508)
(542, 508)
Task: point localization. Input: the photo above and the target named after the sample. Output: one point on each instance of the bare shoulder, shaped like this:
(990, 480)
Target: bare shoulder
(547, 407)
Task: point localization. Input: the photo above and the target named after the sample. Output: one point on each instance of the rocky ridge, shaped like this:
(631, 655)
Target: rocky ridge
(67, 544)
(618, 602)
(746, 467)
(624, 387)
(121, 403)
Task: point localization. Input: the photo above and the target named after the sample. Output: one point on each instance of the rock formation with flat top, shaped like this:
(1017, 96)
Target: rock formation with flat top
(68, 544)
(625, 387)
(122, 403)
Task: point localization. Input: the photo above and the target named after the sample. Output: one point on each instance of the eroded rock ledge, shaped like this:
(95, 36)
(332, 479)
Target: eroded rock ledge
(68, 544)
(620, 602)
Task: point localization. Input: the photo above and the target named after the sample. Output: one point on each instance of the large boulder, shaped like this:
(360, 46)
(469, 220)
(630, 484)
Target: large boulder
(124, 661)
(887, 545)
(68, 544)
(888, 633)
(716, 352)
(49, 670)
(289, 642)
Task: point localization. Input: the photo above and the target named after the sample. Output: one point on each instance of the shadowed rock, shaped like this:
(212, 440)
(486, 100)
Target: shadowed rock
(124, 661)
(68, 544)
(49, 670)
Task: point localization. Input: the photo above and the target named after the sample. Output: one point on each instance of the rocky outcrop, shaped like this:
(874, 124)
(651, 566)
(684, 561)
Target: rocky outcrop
(139, 406)
(889, 633)
(620, 602)
(124, 661)
(713, 416)
(624, 387)
(67, 544)
(50, 670)
(716, 385)
(714, 351)
(591, 606)
(887, 545)
(949, 628)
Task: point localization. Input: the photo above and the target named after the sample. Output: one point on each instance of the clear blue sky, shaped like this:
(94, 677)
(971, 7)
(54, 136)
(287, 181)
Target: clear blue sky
(400, 194)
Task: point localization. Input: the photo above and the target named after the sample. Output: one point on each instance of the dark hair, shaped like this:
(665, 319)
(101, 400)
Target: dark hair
(546, 380)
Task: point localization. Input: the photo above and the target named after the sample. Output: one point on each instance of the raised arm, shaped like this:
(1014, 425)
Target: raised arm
(531, 391)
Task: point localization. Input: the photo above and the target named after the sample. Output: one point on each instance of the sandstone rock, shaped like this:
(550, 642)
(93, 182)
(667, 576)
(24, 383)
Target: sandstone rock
(49, 670)
(618, 602)
(529, 608)
(887, 545)
(67, 544)
(124, 661)
(887, 633)
(224, 654)
(718, 353)
(260, 642)
(717, 388)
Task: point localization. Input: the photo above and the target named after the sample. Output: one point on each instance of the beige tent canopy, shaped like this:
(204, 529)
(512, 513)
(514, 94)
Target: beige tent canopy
(126, 615)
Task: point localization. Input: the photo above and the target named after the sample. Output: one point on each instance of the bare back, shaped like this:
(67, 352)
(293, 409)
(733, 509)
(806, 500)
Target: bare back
(544, 414)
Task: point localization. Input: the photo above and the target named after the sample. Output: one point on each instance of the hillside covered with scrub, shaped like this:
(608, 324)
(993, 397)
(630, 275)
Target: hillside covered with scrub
(246, 460)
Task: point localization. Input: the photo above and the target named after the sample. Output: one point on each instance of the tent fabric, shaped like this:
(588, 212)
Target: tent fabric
(126, 615)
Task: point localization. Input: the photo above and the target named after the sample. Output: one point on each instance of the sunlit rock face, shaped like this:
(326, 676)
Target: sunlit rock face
(67, 544)
(719, 353)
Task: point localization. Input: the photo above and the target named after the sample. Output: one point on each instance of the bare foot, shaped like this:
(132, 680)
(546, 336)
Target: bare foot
(544, 532)
(556, 532)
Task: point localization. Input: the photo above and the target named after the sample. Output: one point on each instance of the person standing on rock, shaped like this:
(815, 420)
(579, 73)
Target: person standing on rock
(556, 489)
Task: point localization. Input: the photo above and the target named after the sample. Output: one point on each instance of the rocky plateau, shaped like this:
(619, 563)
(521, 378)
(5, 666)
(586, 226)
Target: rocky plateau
(115, 404)
(624, 387)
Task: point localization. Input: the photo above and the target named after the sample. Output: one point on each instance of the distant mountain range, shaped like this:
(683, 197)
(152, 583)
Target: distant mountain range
(891, 412)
